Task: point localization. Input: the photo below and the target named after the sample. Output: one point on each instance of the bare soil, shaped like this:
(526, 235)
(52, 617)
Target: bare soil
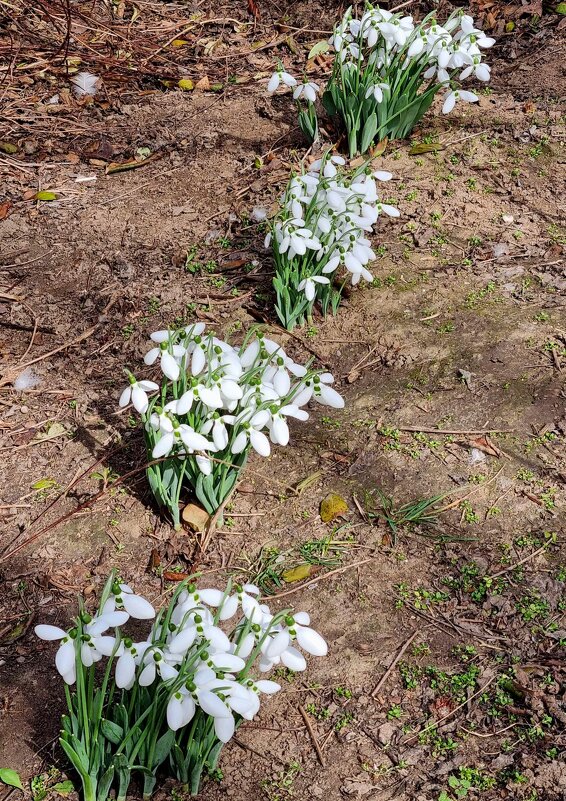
(462, 332)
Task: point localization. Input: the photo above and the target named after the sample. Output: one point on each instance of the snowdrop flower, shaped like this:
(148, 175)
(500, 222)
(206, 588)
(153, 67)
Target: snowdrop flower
(247, 597)
(181, 709)
(181, 435)
(453, 96)
(308, 285)
(136, 392)
(254, 436)
(165, 334)
(377, 91)
(481, 71)
(125, 598)
(65, 656)
(169, 362)
(306, 90)
(280, 77)
(130, 655)
(278, 427)
(155, 663)
(327, 396)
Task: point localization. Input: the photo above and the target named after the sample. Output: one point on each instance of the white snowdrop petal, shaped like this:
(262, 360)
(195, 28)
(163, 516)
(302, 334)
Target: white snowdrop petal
(228, 662)
(273, 83)
(125, 397)
(46, 632)
(210, 703)
(311, 641)
(65, 657)
(229, 607)
(211, 597)
(169, 366)
(267, 687)
(224, 728)
(105, 645)
(259, 442)
(167, 672)
(147, 676)
(163, 447)
(125, 670)
(218, 640)
(138, 607)
(278, 644)
(293, 659)
(182, 641)
(175, 714)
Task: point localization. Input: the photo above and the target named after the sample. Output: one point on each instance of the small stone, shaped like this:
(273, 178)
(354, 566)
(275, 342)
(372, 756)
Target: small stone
(386, 732)
(508, 218)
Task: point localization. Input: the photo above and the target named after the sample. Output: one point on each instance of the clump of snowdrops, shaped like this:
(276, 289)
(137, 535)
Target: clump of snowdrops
(320, 236)
(216, 402)
(387, 70)
(172, 700)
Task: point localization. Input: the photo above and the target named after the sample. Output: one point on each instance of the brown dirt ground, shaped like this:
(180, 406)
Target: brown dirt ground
(464, 330)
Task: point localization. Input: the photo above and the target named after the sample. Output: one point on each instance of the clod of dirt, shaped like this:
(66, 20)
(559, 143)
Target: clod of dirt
(386, 733)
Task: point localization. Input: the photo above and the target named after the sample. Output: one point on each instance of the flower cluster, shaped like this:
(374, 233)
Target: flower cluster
(321, 234)
(215, 403)
(193, 668)
(388, 69)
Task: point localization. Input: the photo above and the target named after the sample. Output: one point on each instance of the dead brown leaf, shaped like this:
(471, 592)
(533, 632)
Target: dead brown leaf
(203, 85)
(486, 445)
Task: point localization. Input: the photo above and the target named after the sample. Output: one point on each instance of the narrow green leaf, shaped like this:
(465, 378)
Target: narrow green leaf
(369, 132)
(11, 778)
(163, 747)
(112, 731)
(74, 759)
(105, 783)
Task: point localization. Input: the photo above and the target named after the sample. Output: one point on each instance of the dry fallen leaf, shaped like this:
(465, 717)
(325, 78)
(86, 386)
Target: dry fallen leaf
(299, 573)
(331, 507)
(203, 85)
(195, 517)
(486, 445)
(171, 575)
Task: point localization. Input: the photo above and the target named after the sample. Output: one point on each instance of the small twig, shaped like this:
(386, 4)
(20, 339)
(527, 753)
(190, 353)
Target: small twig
(496, 501)
(212, 521)
(453, 432)
(324, 576)
(458, 501)
(517, 564)
(360, 508)
(494, 734)
(85, 335)
(393, 665)
(310, 730)
(25, 263)
(246, 747)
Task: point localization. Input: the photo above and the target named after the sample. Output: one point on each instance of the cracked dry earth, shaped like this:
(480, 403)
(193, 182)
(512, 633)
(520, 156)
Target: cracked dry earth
(463, 331)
